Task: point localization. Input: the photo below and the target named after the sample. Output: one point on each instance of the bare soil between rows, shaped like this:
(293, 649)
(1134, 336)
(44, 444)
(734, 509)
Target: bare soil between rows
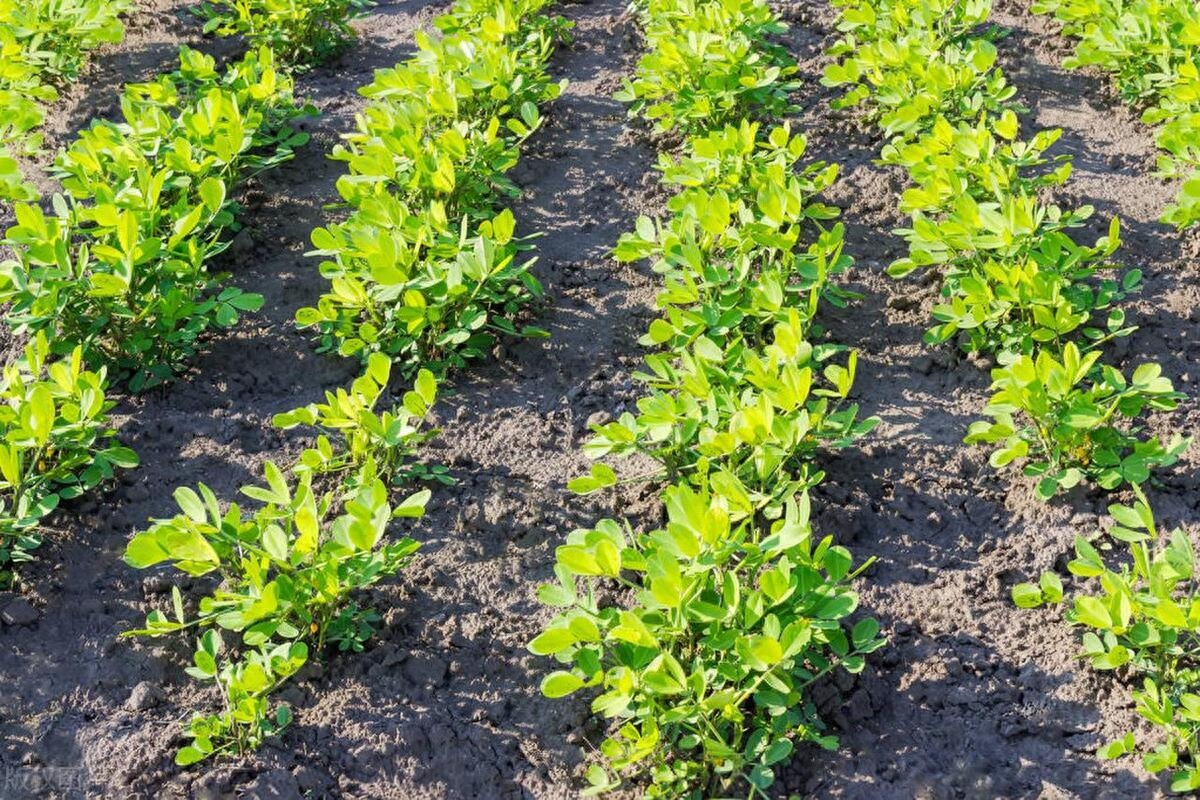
(972, 698)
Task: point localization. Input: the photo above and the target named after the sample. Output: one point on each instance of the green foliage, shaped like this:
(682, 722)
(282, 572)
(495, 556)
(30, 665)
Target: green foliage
(1016, 285)
(705, 673)
(426, 270)
(914, 62)
(246, 684)
(55, 443)
(288, 570)
(380, 443)
(709, 62)
(43, 44)
(738, 381)
(299, 32)
(119, 266)
(1138, 607)
(703, 638)
(1063, 414)
(1152, 50)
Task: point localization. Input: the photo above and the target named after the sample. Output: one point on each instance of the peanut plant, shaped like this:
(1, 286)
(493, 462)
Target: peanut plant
(119, 265)
(1019, 288)
(733, 618)
(55, 443)
(428, 270)
(699, 642)
(301, 33)
(288, 571)
(1136, 604)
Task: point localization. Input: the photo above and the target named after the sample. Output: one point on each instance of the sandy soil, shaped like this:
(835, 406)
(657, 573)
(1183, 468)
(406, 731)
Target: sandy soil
(972, 698)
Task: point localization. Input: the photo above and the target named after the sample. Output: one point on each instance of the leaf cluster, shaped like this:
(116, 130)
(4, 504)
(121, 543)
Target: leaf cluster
(287, 571)
(426, 270)
(1152, 50)
(730, 621)
(301, 33)
(709, 63)
(119, 264)
(1136, 601)
(55, 443)
(43, 45)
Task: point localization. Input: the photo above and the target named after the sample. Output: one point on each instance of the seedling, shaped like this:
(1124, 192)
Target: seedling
(56, 443)
(301, 33)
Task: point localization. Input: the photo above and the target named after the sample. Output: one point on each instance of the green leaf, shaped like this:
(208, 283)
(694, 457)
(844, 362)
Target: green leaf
(144, 551)
(189, 502)
(560, 684)
(414, 505)
(1027, 595)
(601, 477)
(551, 641)
(189, 755)
(275, 542)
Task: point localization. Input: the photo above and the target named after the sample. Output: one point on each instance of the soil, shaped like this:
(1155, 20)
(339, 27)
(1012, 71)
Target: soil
(972, 698)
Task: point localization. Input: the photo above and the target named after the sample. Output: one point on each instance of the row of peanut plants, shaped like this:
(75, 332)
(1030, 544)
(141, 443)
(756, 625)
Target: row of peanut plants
(427, 248)
(1019, 289)
(55, 441)
(111, 281)
(1152, 50)
(43, 46)
(699, 641)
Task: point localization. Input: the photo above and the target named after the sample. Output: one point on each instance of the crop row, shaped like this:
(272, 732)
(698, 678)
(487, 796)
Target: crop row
(1016, 285)
(426, 270)
(113, 279)
(1018, 288)
(701, 639)
(43, 44)
(288, 570)
(1152, 50)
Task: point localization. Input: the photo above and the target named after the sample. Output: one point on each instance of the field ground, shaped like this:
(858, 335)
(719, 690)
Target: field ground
(971, 699)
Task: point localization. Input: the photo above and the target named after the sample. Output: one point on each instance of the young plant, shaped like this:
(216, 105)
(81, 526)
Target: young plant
(56, 443)
(374, 443)
(289, 570)
(705, 664)
(1063, 415)
(427, 270)
(119, 267)
(709, 63)
(44, 45)
(300, 32)
(246, 685)
(757, 419)
(435, 304)
(914, 61)
(1141, 618)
